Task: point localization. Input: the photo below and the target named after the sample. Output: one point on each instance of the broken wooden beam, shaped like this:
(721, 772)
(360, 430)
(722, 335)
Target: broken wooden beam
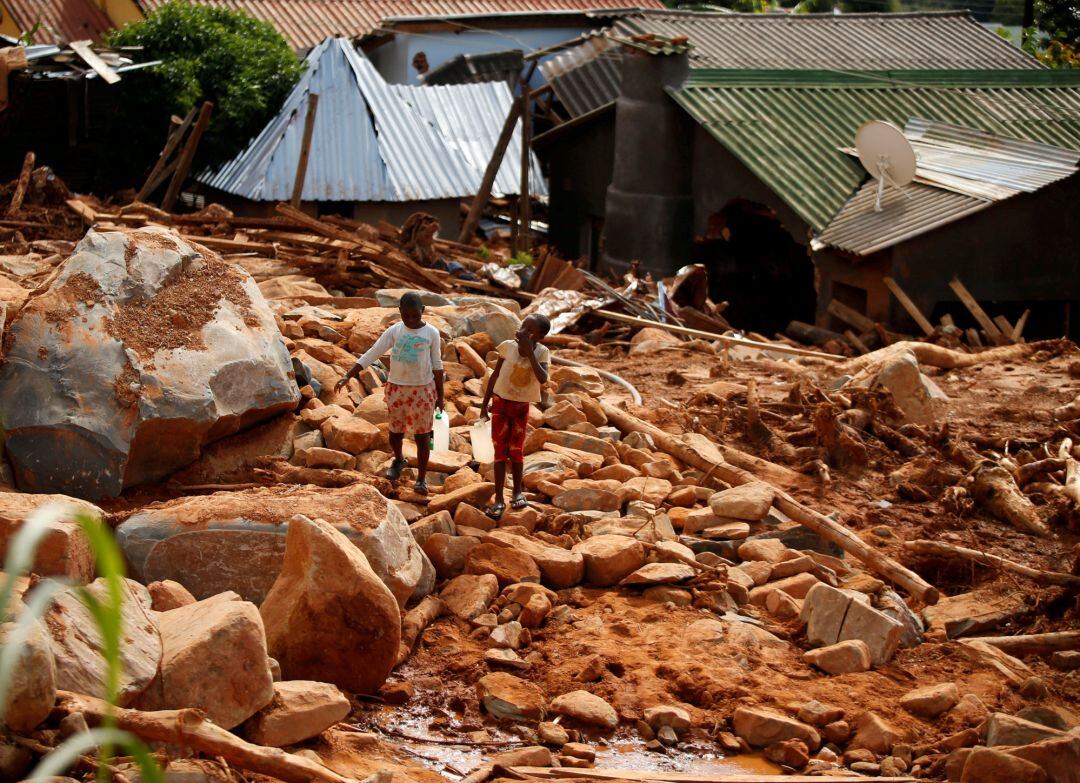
(908, 305)
(22, 184)
(187, 156)
(305, 149)
(851, 316)
(1033, 643)
(978, 313)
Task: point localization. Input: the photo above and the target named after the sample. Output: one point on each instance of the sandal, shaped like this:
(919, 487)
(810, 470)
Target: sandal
(421, 487)
(496, 511)
(519, 502)
(394, 471)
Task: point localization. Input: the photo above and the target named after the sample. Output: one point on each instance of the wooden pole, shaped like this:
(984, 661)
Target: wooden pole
(804, 515)
(481, 198)
(22, 184)
(305, 149)
(980, 315)
(524, 202)
(908, 305)
(160, 171)
(187, 155)
(941, 549)
(1034, 643)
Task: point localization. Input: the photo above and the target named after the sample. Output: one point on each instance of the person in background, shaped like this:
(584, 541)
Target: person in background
(414, 388)
(515, 384)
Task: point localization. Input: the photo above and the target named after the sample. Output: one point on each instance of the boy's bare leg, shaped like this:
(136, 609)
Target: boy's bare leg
(500, 483)
(517, 470)
(396, 439)
(423, 452)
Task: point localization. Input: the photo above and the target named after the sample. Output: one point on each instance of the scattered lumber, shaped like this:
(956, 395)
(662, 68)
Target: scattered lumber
(1035, 643)
(909, 306)
(815, 521)
(189, 728)
(941, 549)
(992, 331)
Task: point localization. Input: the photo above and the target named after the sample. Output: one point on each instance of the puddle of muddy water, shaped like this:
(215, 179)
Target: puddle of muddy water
(423, 735)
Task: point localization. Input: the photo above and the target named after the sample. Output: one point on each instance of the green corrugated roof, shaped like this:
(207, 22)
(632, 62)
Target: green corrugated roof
(787, 126)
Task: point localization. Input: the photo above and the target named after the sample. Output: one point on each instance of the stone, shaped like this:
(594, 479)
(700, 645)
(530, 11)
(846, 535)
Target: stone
(796, 565)
(667, 736)
(667, 594)
(875, 734)
(214, 659)
(668, 715)
(350, 434)
(528, 518)
(917, 397)
(836, 732)
(970, 711)
(15, 762)
(659, 574)
(328, 609)
(467, 515)
(579, 750)
(372, 408)
(467, 596)
(871, 768)
(552, 734)
(299, 710)
(508, 635)
(141, 339)
(496, 657)
(523, 592)
(562, 415)
(473, 494)
(1055, 717)
(780, 605)
(425, 527)
(79, 650)
(328, 458)
(64, 550)
(750, 502)
(535, 611)
(507, 697)
(610, 558)
(759, 571)
(990, 764)
(769, 550)
(619, 472)
(559, 568)
(891, 766)
(790, 753)
(236, 540)
(448, 553)
(1065, 660)
(840, 658)
(167, 594)
(1058, 758)
(31, 687)
(1003, 729)
(931, 701)
(646, 489)
(587, 500)
(586, 708)
(795, 586)
(832, 615)
(509, 566)
(727, 531)
(533, 756)
(817, 714)
(762, 727)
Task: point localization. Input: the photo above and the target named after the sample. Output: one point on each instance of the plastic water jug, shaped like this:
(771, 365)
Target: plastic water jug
(442, 432)
(482, 448)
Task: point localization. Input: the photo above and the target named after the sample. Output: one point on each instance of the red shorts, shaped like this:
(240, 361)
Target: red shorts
(411, 408)
(509, 419)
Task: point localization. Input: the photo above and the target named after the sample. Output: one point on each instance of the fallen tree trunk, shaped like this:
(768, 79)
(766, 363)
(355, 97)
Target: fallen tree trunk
(1034, 643)
(995, 490)
(191, 729)
(924, 547)
(415, 621)
(804, 515)
(933, 356)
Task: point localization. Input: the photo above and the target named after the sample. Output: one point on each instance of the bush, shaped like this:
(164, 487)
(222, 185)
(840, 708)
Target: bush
(241, 64)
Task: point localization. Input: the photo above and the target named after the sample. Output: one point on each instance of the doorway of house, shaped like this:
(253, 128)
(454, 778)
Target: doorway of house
(757, 267)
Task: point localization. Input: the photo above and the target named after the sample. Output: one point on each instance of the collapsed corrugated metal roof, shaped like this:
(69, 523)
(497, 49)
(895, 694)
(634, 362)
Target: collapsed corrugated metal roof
(588, 76)
(789, 127)
(307, 22)
(502, 66)
(959, 171)
(368, 143)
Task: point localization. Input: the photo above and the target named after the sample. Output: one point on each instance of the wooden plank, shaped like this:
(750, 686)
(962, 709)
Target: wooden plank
(850, 315)
(979, 314)
(908, 305)
(162, 167)
(973, 338)
(90, 57)
(524, 199)
(1003, 324)
(187, 155)
(232, 245)
(22, 184)
(1035, 643)
(660, 776)
(856, 343)
(83, 210)
(305, 149)
(1021, 322)
(481, 198)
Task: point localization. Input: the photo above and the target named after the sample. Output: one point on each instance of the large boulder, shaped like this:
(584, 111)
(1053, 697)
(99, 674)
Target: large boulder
(236, 540)
(65, 549)
(31, 688)
(79, 649)
(214, 658)
(328, 616)
(142, 350)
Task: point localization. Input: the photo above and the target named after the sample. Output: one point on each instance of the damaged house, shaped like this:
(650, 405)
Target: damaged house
(724, 139)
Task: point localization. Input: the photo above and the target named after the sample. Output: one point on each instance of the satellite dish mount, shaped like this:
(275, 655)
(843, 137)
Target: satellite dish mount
(886, 155)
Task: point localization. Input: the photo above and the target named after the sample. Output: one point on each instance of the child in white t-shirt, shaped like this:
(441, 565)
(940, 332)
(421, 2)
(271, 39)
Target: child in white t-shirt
(414, 388)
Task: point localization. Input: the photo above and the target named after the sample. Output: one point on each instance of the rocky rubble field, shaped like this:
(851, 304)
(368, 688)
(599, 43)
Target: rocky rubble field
(856, 568)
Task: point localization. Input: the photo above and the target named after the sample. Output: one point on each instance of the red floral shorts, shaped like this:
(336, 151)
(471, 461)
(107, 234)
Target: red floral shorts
(509, 420)
(412, 408)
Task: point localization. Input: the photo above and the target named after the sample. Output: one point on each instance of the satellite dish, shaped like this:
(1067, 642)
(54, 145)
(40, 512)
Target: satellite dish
(886, 154)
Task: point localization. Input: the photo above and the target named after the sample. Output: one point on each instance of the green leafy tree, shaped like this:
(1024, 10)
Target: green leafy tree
(213, 54)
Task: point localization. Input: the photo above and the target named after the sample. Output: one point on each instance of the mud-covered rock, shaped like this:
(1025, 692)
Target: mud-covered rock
(65, 549)
(142, 350)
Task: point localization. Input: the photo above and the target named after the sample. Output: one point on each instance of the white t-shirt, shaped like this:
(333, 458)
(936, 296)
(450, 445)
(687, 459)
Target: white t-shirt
(414, 354)
(517, 381)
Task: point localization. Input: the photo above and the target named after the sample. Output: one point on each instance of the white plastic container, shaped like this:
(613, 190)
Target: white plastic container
(442, 431)
(482, 448)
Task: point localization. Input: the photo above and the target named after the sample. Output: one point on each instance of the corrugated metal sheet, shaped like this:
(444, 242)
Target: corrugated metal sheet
(61, 20)
(921, 40)
(919, 209)
(469, 117)
(502, 66)
(586, 76)
(789, 127)
(307, 22)
(367, 145)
